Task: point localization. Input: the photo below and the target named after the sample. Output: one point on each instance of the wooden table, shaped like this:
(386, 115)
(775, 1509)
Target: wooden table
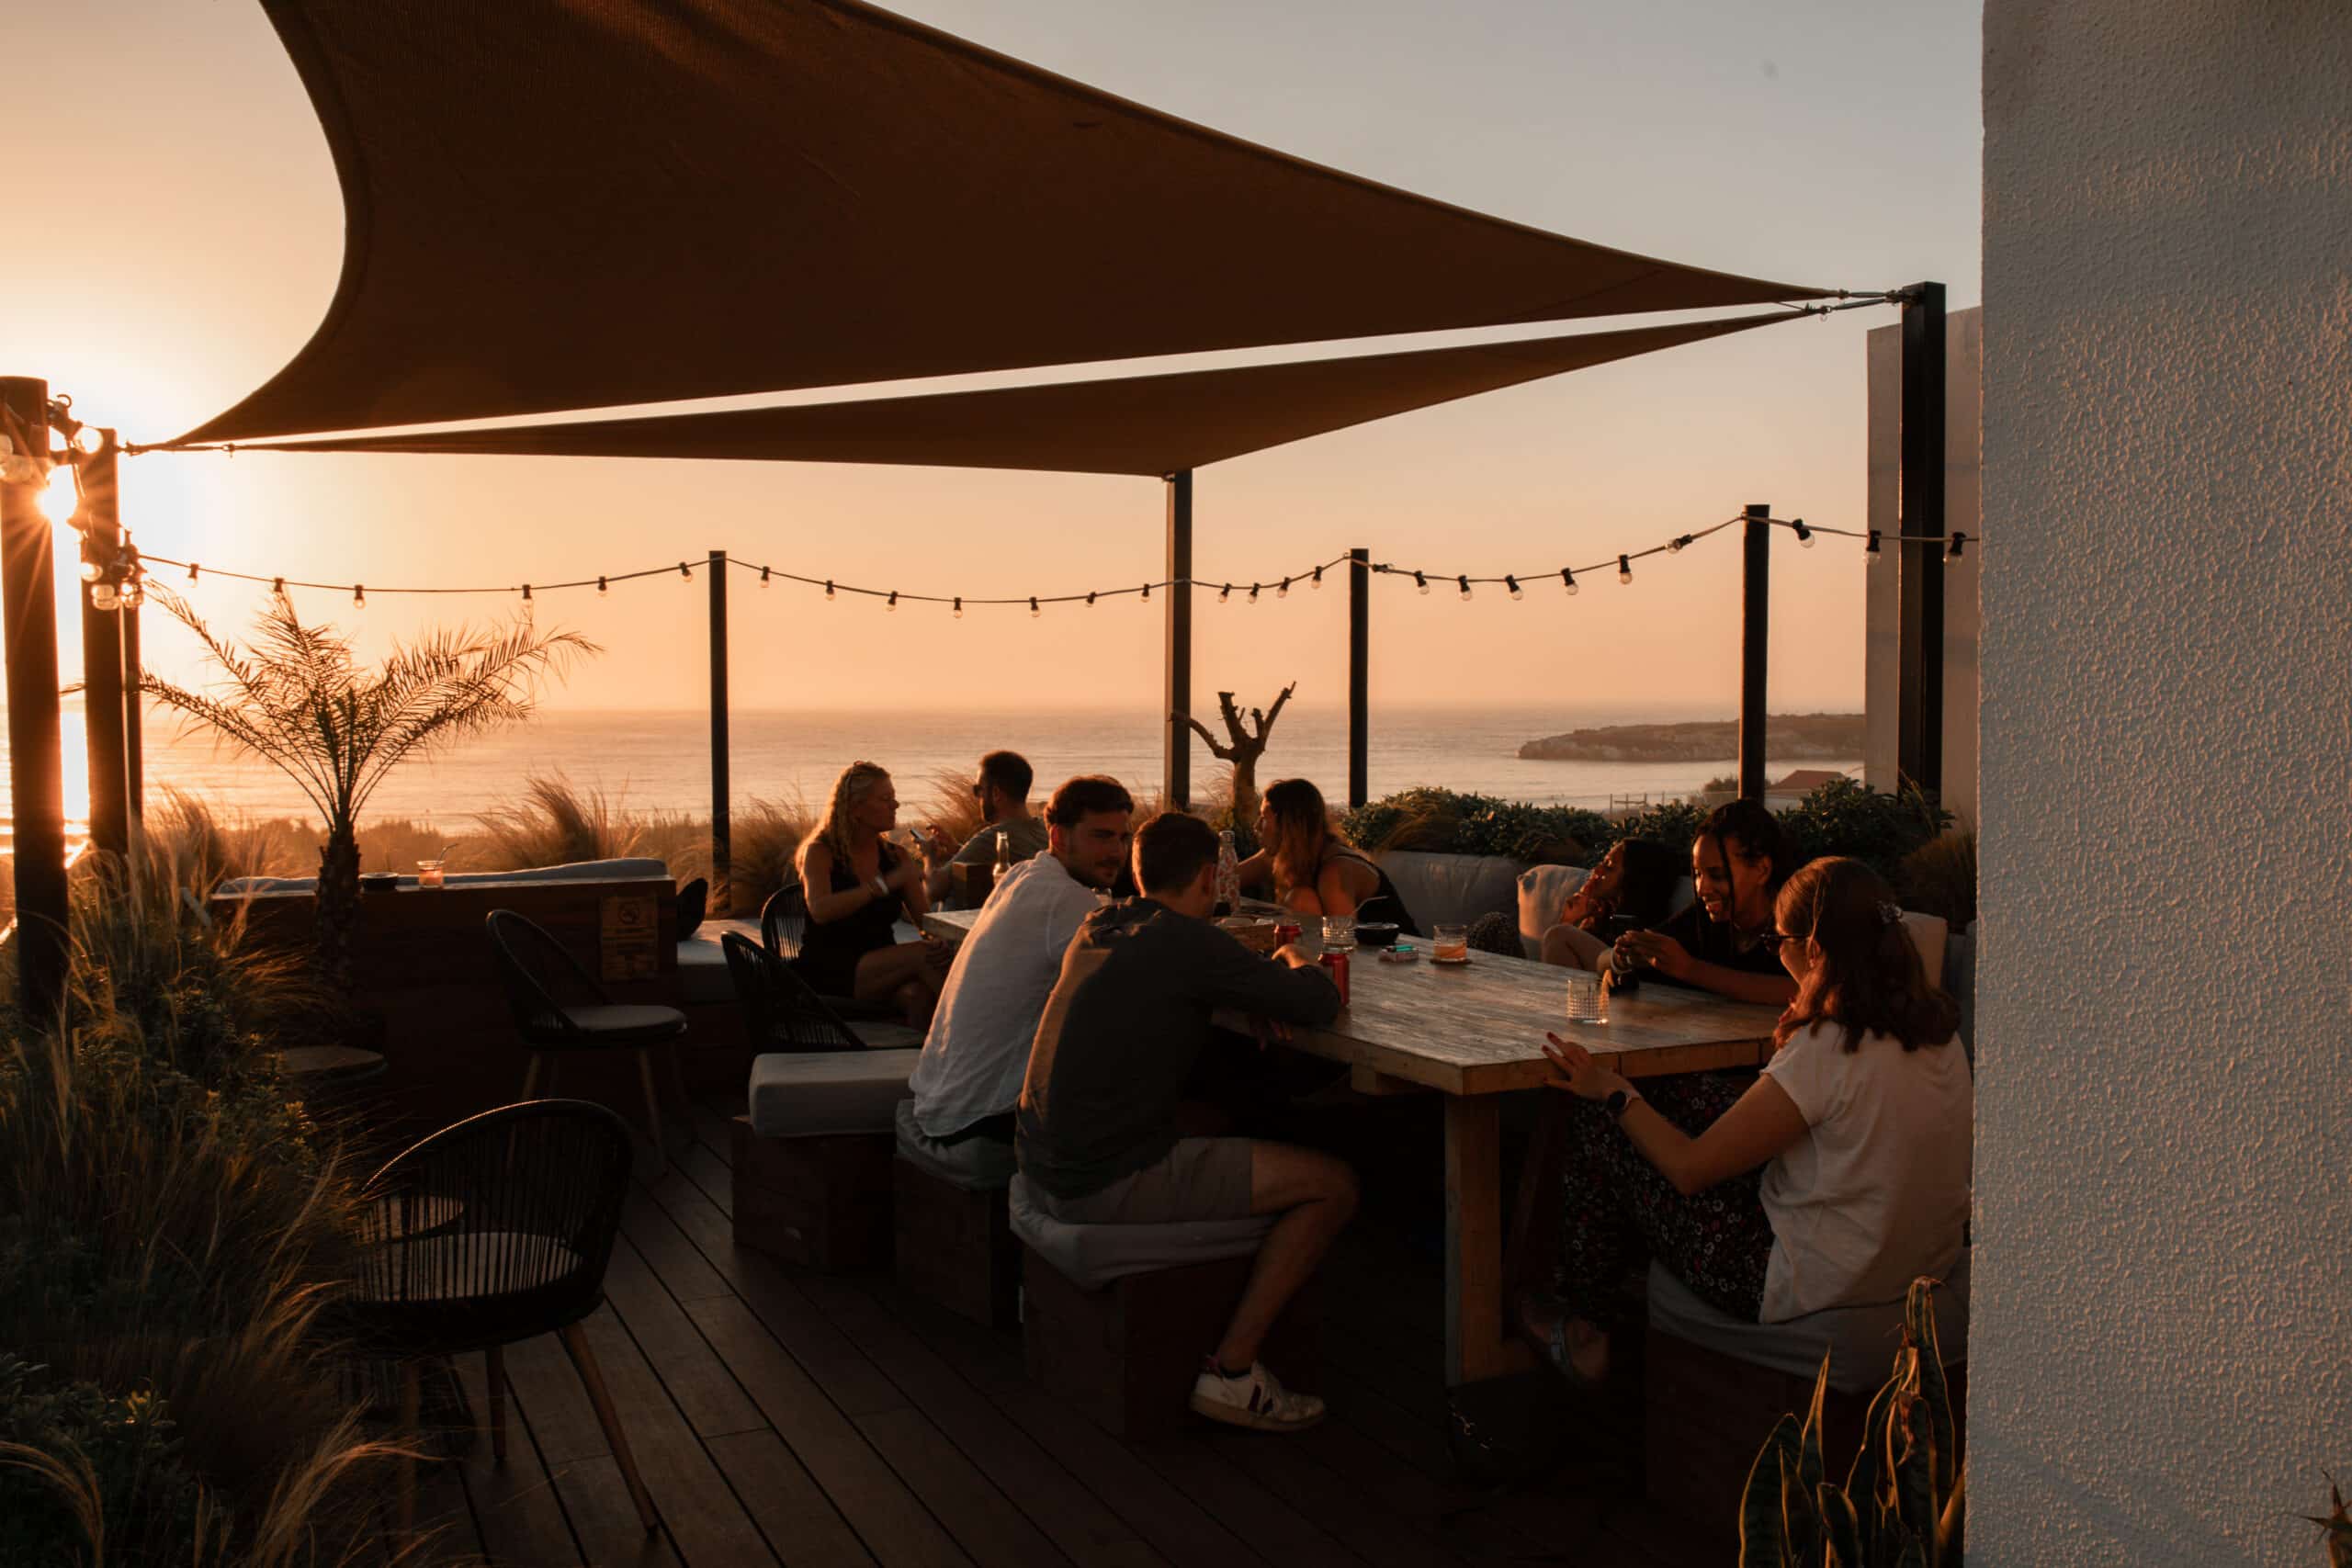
(1472, 1031)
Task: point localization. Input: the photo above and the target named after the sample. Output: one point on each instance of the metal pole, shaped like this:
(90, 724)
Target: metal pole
(134, 711)
(102, 693)
(1754, 644)
(29, 597)
(1176, 768)
(1359, 677)
(1919, 591)
(723, 833)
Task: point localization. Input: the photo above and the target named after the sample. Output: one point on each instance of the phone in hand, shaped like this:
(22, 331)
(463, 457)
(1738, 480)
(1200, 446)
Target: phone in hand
(1617, 926)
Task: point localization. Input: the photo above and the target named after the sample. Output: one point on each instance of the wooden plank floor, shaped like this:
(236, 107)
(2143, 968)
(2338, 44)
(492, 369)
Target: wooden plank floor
(781, 1417)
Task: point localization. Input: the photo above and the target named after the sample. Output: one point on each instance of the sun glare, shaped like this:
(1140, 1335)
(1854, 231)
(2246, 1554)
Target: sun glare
(61, 497)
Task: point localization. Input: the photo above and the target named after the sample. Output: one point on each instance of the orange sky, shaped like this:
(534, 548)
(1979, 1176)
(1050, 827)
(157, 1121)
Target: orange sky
(192, 239)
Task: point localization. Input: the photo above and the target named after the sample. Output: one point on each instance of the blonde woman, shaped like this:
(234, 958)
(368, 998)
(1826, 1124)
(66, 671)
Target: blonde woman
(1315, 870)
(858, 884)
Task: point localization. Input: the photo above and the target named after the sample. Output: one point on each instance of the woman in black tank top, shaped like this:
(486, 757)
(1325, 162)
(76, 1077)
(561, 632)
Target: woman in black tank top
(858, 885)
(1312, 868)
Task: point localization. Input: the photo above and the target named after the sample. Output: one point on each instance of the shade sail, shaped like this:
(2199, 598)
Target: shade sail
(1138, 424)
(572, 204)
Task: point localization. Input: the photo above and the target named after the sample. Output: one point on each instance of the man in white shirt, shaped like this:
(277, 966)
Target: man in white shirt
(968, 1081)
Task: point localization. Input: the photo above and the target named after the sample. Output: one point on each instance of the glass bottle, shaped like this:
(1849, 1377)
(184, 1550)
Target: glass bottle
(1228, 874)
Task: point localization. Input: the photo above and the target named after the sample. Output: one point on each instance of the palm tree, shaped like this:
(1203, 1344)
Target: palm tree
(298, 700)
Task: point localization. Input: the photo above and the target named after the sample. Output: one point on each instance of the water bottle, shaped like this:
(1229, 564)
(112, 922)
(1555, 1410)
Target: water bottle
(1003, 851)
(1228, 874)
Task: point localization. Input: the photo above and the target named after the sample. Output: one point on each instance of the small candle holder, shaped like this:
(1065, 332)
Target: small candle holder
(428, 875)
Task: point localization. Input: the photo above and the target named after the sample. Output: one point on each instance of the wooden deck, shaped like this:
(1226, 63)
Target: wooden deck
(784, 1417)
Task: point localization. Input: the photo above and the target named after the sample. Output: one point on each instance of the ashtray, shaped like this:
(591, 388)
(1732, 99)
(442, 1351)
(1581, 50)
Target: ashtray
(1399, 955)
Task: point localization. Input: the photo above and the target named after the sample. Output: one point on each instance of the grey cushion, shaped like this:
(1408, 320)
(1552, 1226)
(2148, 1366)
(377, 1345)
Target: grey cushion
(1451, 889)
(702, 962)
(1093, 1255)
(1860, 1340)
(1542, 889)
(976, 1165)
(577, 871)
(804, 1094)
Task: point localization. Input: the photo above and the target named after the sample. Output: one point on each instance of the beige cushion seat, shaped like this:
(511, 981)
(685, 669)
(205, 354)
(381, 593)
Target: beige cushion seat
(1860, 1340)
(1093, 1255)
(799, 1094)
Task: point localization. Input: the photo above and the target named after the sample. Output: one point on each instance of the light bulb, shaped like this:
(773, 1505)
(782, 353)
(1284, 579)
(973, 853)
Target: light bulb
(604, 589)
(1253, 594)
(1958, 539)
(277, 588)
(1225, 593)
(764, 577)
(893, 604)
(131, 596)
(1283, 591)
(1090, 599)
(527, 593)
(1421, 581)
(1674, 546)
(1146, 593)
(1624, 569)
(685, 571)
(87, 440)
(1033, 611)
(18, 469)
(1804, 534)
(1516, 591)
(828, 587)
(61, 497)
(1464, 581)
(358, 595)
(103, 596)
(91, 572)
(1568, 580)
(1318, 582)
(192, 570)
(959, 606)
(1869, 545)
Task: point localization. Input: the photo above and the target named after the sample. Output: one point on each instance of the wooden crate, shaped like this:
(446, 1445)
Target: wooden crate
(1706, 1415)
(1127, 1354)
(822, 1202)
(955, 1246)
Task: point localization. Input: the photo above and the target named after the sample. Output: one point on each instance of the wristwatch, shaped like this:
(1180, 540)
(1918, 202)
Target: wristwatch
(1618, 1100)
(881, 886)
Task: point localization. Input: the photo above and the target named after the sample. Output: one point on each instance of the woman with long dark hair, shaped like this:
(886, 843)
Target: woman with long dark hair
(1739, 861)
(1840, 1174)
(858, 884)
(1314, 870)
(1636, 880)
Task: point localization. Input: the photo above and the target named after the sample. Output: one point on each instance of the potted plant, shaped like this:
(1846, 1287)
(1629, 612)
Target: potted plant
(297, 699)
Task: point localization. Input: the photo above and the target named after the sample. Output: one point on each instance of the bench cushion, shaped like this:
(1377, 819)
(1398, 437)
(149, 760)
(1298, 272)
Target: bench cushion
(577, 871)
(1860, 1340)
(1542, 890)
(976, 1165)
(1092, 1256)
(809, 1093)
(702, 962)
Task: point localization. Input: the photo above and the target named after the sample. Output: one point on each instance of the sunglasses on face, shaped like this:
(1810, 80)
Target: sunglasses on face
(1771, 940)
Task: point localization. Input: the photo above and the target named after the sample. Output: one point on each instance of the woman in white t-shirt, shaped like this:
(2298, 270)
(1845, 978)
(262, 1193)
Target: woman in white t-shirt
(1833, 1178)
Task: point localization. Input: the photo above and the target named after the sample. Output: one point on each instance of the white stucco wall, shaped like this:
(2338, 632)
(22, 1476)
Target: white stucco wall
(2161, 1350)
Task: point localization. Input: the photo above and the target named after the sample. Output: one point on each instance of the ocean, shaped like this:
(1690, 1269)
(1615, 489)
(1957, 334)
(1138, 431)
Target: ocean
(659, 761)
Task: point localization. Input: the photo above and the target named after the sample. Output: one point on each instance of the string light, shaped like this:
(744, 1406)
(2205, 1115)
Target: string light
(1625, 569)
(1804, 534)
(1253, 594)
(764, 577)
(192, 571)
(105, 597)
(959, 606)
(277, 588)
(1516, 591)
(1033, 611)
(1568, 580)
(1283, 591)
(527, 593)
(893, 600)
(1090, 601)
(1421, 582)
(1958, 539)
(86, 441)
(604, 589)
(1870, 547)
(1225, 593)
(1146, 593)
(1674, 546)
(685, 571)
(360, 595)
(1319, 578)
(1464, 581)
(828, 587)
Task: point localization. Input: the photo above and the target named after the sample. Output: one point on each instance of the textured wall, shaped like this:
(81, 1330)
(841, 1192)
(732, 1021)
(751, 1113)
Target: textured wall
(1963, 359)
(2162, 1340)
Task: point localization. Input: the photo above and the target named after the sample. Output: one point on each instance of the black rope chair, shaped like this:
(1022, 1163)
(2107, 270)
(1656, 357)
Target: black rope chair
(559, 1007)
(780, 1011)
(784, 921)
(494, 1230)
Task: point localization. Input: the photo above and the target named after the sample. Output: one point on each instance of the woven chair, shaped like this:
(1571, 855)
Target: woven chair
(492, 1231)
(780, 1011)
(559, 1007)
(784, 920)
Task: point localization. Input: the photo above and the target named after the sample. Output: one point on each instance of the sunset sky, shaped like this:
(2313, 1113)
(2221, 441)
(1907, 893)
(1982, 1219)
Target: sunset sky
(187, 239)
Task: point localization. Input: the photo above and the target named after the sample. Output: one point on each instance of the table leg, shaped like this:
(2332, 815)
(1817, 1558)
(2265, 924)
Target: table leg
(1476, 1344)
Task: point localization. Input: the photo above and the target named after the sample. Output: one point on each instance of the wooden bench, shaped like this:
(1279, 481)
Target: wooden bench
(1127, 1354)
(821, 1201)
(955, 1246)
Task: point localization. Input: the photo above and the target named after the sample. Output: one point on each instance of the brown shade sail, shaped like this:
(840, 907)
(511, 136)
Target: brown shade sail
(1138, 424)
(572, 204)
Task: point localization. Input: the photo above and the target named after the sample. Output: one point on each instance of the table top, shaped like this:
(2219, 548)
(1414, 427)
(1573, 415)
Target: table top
(1477, 1028)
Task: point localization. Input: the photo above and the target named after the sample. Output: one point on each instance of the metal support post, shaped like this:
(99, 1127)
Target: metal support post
(1359, 677)
(723, 833)
(1920, 590)
(102, 669)
(1176, 769)
(1754, 644)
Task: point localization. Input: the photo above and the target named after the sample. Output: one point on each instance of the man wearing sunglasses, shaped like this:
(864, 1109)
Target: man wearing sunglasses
(1002, 790)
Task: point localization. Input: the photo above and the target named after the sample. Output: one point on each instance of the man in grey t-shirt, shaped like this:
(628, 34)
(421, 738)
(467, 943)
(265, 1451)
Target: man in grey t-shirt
(968, 1079)
(1002, 790)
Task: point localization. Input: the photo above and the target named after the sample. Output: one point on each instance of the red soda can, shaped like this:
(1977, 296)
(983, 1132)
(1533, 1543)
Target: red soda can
(1287, 931)
(1337, 963)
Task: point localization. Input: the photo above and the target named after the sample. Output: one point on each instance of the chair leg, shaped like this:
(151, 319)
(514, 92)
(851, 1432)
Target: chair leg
(575, 1341)
(495, 1358)
(652, 1109)
(531, 1074)
(411, 1399)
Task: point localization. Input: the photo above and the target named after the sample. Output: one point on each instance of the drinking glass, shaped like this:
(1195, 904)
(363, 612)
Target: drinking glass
(428, 874)
(1588, 1002)
(1450, 944)
(1338, 933)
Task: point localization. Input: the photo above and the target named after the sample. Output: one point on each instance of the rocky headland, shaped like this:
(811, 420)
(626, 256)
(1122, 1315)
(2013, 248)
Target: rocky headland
(1804, 737)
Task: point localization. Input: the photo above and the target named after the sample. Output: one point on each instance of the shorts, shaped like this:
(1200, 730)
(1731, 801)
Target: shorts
(1199, 1179)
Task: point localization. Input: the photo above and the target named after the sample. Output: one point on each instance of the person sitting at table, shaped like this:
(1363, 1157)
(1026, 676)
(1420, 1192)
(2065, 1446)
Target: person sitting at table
(1635, 879)
(858, 884)
(1096, 1131)
(1002, 790)
(1721, 943)
(1837, 1177)
(968, 1079)
(1311, 868)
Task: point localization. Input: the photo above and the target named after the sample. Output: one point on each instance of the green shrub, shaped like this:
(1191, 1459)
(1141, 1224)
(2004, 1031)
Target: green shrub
(1845, 818)
(1939, 877)
(1673, 823)
(1444, 821)
(61, 1438)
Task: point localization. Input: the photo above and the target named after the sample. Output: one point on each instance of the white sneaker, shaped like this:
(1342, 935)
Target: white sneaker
(1256, 1399)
